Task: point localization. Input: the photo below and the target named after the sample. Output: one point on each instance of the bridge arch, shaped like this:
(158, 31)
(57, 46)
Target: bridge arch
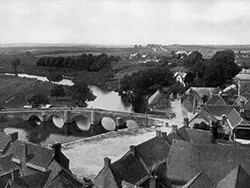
(82, 122)
(108, 123)
(131, 124)
(57, 120)
(34, 120)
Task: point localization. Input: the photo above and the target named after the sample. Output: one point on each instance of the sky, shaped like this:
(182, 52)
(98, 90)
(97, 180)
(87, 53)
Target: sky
(125, 22)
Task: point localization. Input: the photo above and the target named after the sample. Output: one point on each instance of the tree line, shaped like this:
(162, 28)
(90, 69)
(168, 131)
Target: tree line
(86, 62)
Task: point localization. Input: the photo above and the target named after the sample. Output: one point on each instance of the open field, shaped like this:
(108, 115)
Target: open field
(13, 91)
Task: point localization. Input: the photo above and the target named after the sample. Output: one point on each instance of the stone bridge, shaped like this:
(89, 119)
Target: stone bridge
(62, 116)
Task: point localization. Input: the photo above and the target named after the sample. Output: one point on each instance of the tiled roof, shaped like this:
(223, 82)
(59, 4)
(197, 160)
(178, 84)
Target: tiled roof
(199, 136)
(37, 155)
(199, 92)
(219, 110)
(4, 141)
(105, 178)
(153, 151)
(234, 118)
(216, 100)
(129, 168)
(242, 77)
(237, 178)
(201, 180)
(190, 135)
(36, 180)
(6, 164)
(64, 180)
(186, 159)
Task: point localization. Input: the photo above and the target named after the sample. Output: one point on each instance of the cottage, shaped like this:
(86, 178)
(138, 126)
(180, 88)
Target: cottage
(143, 165)
(186, 160)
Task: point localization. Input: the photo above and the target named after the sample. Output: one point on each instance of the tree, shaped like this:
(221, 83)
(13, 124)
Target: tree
(198, 69)
(37, 100)
(57, 91)
(189, 78)
(15, 63)
(193, 58)
(55, 77)
(82, 94)
(222, 68)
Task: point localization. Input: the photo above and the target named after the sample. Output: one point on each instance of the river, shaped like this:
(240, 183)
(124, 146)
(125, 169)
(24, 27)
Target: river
(107, 100)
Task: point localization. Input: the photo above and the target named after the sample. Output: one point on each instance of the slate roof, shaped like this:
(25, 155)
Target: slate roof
(201, 180)
(199, 92)
(36, 180)
(235, 119)
(153, 151)
(199, 136)
(6, 164)
(190, 135)
(185, 160)
(129, 168)
(237, 178)
(37, 155)
(218, 111)
(64, 180)
(216, 100)
(5, 140)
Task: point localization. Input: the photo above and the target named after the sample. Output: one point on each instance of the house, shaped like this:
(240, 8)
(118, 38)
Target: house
(237, 178)
(158, 103)
(180, 77)
(216, 100)
(143, 165)
(185, 160)
(196, 96)
(23, 164)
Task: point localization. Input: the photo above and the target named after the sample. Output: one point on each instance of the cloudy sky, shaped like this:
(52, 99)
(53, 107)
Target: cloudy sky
(125, 21)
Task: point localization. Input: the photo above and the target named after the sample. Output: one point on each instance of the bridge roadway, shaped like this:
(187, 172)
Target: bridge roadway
(68, 115)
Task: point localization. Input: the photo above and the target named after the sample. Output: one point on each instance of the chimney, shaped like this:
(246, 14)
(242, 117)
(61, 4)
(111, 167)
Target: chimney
(242, 106)
(158, 133)
(164, 136)
(133, 149)
(57, 147)
(224, 119)
(174, 128)
(24, 155)
(185, 122)
(152, 181)
(107, 162)
(14, 136)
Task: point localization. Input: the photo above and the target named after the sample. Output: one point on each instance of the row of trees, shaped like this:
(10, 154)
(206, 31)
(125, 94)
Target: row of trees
(86, 62)
(144, 83)
(215, 72)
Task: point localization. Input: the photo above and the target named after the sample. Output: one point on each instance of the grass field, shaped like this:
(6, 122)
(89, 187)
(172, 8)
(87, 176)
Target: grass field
(14, 90)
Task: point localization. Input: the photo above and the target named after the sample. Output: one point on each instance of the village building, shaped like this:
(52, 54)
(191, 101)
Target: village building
(143, 165)
(24, 165)
(186, 160)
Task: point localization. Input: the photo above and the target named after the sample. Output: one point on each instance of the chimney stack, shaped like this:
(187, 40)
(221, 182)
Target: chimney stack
(24, 153)
(14, 136)
(158, 133)
(107, 162)
(133, 149)
(224, 119)
(57, 147)
(174, 128)
(152, 180)
(164, 136)
(242, 107)
(185, 122)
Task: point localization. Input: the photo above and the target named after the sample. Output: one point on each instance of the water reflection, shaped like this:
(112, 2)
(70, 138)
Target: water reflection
(108, 100)
(40, 137)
